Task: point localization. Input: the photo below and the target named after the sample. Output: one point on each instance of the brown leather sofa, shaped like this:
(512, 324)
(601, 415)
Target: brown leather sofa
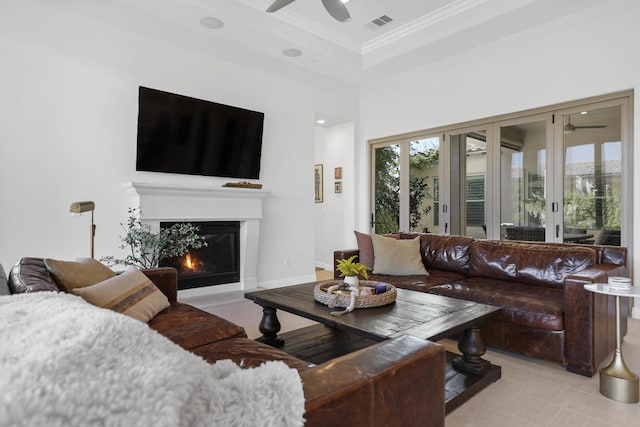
(396, 382)
(546, 312)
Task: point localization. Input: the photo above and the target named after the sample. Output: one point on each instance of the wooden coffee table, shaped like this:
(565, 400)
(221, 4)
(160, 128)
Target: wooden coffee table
(427, 316)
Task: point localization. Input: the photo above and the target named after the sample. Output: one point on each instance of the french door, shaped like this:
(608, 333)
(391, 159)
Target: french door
(594, 172)
(561, 175)
(406, 184)
(465, 191)
(555, 176)
(523, 145)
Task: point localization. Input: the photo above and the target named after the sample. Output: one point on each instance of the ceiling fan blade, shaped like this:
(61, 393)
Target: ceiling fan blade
(279, 4)
(337, 10)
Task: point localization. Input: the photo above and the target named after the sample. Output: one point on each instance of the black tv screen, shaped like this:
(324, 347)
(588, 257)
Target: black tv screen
(179, 134)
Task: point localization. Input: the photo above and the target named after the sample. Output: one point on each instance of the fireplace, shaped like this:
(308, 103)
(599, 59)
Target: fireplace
(186, 203)
(215, 264)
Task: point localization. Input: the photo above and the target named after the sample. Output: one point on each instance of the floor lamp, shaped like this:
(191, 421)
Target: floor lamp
(78, 208)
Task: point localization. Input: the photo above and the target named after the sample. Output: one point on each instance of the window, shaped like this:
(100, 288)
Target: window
(475, 200)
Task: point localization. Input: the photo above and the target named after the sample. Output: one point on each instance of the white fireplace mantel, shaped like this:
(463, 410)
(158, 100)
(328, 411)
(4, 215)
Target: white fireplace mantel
(177, 202)
(166, 189)
(170, 202)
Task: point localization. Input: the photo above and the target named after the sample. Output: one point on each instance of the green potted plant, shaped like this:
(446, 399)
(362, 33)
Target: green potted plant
(147, 248)
(350, 270)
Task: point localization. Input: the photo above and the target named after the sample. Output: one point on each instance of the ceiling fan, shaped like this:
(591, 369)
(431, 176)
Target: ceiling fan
(336, 8)
(570, 128)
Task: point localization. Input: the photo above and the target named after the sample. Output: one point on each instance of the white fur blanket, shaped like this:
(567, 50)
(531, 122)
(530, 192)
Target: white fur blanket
(64, 362)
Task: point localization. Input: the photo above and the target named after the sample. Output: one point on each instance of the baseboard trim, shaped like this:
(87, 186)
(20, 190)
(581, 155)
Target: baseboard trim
(324, 265)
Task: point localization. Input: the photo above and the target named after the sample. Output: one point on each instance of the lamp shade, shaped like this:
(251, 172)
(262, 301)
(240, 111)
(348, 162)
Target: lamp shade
(79, 207)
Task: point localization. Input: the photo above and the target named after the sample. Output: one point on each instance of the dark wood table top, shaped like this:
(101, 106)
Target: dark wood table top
(423, 315)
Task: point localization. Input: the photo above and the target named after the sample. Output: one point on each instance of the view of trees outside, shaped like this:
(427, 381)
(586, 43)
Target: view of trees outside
(423, 174)
(387, 189)
(612, 210)
(592, 188)
(584, 206)
(423, 171)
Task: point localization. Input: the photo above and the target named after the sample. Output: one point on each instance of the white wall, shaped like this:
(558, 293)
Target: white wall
(335, 216)
(590, 53)
(68, 102)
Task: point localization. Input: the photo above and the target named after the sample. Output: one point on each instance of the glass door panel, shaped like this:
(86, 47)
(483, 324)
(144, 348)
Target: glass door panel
(555, 176)
(592, 184)
(386, 189)
(467, 183)
(424, 191)
(523, 196)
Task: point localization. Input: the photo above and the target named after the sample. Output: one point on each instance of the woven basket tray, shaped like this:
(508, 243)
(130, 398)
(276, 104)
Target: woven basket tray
(376, 300)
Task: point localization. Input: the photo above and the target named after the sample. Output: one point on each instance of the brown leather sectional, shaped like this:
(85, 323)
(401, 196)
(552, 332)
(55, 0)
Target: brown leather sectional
(546, 312)
(396, 382)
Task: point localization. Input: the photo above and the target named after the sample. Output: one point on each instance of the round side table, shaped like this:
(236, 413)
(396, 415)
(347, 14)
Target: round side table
(617, 382)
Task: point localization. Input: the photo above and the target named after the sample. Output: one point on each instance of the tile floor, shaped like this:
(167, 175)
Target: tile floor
(530, 393)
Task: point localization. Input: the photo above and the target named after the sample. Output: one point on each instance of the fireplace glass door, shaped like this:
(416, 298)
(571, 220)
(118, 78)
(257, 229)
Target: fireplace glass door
(214, 264)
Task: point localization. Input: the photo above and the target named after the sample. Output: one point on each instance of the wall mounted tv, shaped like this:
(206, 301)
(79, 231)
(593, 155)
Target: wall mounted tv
(179, 134)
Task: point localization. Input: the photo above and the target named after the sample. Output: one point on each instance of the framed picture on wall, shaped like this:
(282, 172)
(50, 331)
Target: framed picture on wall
(337, 173)
(338, 187)
(318, 183)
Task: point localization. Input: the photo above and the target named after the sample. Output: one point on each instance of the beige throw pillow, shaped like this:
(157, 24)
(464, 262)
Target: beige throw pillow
(83, 272)
(365, 247)
(130, 293)
(397, 257)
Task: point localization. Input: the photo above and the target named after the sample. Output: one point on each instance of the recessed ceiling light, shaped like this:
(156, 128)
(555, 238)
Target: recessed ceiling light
(584, 112)
(292, 52)
(211, 22)
(344, 1)
(321, 121)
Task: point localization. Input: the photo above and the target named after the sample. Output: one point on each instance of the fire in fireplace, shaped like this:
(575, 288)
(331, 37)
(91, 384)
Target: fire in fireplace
(215, 264)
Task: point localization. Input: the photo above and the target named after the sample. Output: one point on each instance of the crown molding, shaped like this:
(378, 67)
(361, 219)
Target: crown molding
(348, 43)
(420, 23)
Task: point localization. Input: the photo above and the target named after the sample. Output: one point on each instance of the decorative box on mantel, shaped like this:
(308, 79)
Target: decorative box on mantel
(167, 202)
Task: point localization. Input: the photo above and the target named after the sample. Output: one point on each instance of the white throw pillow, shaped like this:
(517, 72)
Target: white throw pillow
(396, 257)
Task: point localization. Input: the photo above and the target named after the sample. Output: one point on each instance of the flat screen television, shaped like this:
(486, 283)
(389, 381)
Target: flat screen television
(180, 134)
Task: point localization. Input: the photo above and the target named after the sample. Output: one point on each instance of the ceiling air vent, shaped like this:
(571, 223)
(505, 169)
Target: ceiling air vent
(381, 20)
